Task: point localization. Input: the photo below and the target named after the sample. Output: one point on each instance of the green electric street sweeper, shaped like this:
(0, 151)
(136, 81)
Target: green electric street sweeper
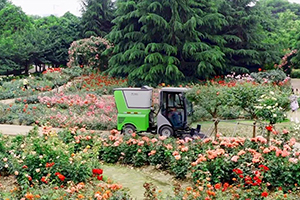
(136, 112)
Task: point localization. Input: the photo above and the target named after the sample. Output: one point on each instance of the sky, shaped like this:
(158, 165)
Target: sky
(56, 7)
(49, 7)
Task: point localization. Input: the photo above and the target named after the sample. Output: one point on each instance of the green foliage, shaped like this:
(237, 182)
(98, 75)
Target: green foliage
(244, 47)
(272, 106)
(41, 41)
(3, 3)
(272, 76)
(209, 97)
(163, 41)
(246, 96)
(38, 157)
(228, 99)
(295, 73)
(13, 19)
(97, 17)
(52, 166)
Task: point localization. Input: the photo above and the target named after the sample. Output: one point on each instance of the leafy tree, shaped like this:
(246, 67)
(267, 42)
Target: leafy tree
(13, 19)
(46, 42)
(96, 17)
(59, 34)
(279, 6)
(165, 41)
(6, 62)
(16, 53)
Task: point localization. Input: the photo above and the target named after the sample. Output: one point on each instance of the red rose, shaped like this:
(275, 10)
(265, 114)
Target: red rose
(269, 128)
(264, 194)
(99, 178)
(263, 167)
(97, 171)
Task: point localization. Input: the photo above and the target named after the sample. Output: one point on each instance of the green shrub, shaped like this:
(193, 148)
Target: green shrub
(295, 73)
(200, 114)
(272, 76)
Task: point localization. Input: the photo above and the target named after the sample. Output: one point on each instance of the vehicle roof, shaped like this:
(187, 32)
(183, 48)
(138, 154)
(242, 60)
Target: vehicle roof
(174, 89)
(144, 88)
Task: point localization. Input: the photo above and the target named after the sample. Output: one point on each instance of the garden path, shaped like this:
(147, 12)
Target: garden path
(7, 129)
(295, 82)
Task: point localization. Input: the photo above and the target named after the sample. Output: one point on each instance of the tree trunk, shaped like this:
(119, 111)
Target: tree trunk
(26, 68)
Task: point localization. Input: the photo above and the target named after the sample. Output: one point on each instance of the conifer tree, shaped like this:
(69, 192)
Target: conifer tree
(3, 3)
(165, 40)
(96, 17)
(245, 47)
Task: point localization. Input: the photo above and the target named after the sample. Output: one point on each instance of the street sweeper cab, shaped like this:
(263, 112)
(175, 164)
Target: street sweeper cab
(136, 112)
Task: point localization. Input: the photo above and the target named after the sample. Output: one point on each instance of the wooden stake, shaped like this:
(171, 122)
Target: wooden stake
(254, 129)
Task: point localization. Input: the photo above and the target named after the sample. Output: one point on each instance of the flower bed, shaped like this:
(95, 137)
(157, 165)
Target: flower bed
(253, 163)
(51, 78)
(98, 84)
(88, 110)
(226, 167)
(55, 166)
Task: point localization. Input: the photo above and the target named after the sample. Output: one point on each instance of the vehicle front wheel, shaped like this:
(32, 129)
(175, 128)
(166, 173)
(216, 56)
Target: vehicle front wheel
(128, 129)
(166, 131)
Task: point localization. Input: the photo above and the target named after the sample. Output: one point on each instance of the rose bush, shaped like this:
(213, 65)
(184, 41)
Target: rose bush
(244, 95)
(53, 161)
(88, 52)
(210, 159)
(238, 167)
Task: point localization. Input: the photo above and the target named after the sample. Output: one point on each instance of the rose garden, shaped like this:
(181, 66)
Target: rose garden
(66, 164)
(238, 83)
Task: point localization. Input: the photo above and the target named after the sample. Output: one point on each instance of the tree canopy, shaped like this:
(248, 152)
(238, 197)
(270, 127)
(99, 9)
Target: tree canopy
(154, 41)
(97, 16)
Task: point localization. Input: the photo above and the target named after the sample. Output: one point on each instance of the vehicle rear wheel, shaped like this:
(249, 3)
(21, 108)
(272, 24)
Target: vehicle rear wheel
(166, 131)
(128, 129)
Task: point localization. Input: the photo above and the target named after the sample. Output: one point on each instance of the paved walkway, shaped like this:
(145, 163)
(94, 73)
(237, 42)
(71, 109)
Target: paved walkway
(18, 130)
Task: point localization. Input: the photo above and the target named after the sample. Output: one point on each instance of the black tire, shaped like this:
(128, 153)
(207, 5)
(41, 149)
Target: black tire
(128, 129)
(166, 131)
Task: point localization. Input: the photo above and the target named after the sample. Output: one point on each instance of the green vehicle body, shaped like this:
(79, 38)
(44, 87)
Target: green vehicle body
(139, 117)
(136, 113)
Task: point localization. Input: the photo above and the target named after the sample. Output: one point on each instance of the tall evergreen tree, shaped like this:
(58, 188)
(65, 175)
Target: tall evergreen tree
(244, 47)
(165, 40)
(96, 17)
